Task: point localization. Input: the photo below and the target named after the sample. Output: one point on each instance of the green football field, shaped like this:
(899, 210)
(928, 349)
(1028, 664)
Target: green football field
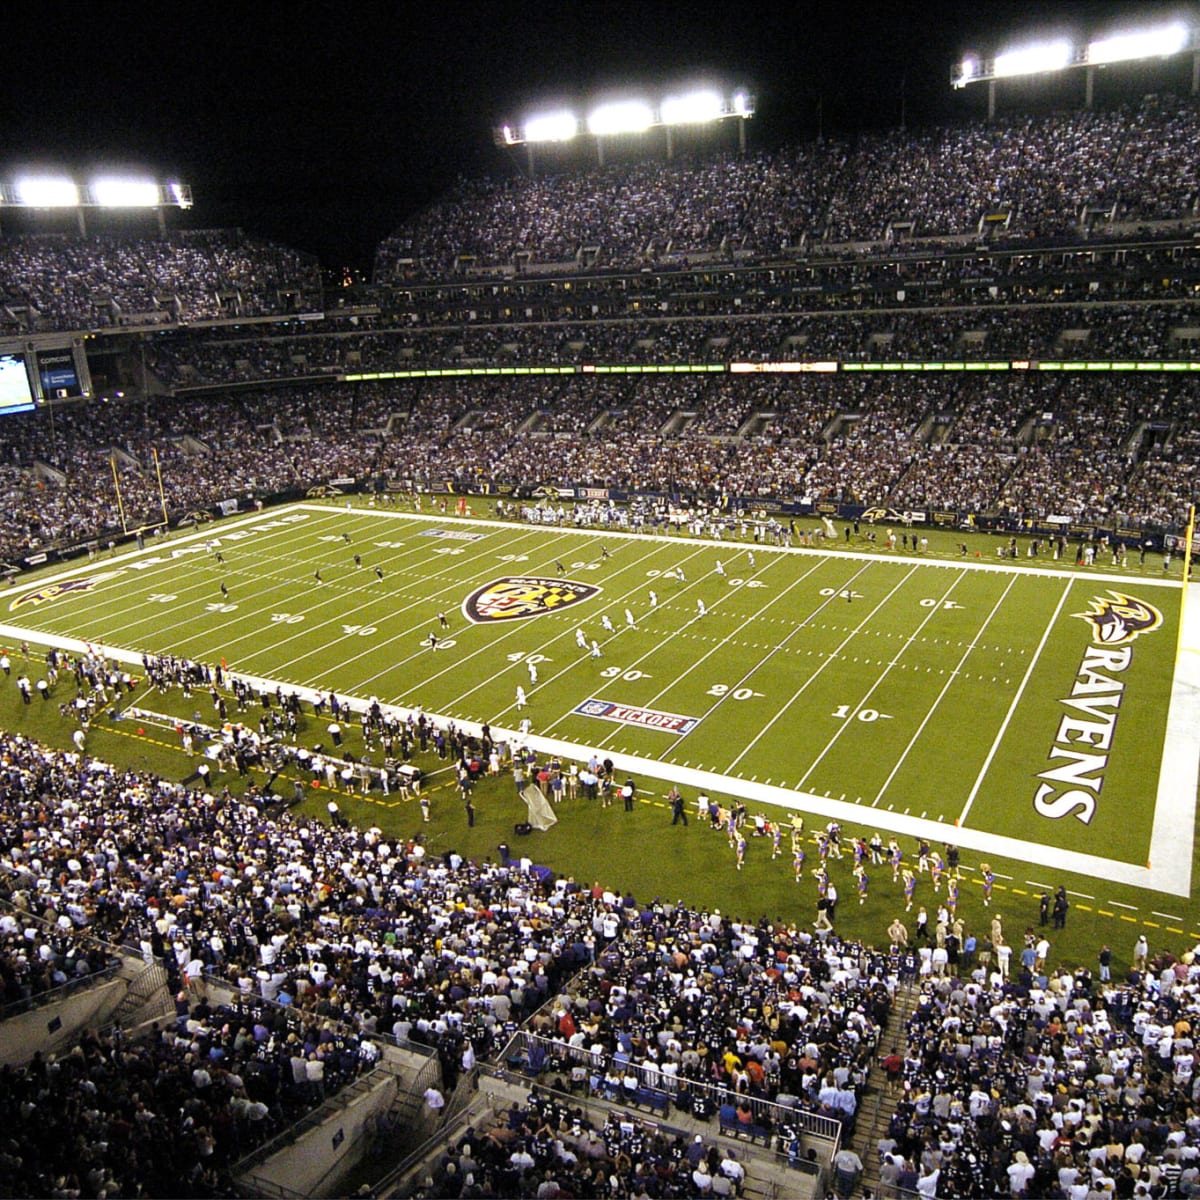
(1021, 711)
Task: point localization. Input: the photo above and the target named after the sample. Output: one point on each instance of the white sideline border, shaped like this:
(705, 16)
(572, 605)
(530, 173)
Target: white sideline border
(1172, 832)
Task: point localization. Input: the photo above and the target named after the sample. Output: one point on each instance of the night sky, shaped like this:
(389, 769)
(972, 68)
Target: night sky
(325, 125)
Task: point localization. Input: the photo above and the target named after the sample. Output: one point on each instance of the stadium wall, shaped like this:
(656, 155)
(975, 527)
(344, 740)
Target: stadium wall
(50, 1027)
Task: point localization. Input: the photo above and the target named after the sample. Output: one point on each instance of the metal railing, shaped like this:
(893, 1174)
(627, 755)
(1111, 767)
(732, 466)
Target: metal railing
(777, 1149)
(53, 995)
(538, 1051)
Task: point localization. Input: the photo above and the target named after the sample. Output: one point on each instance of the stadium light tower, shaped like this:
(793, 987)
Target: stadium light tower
(105, 191)
(1043, 58)
(630, 116)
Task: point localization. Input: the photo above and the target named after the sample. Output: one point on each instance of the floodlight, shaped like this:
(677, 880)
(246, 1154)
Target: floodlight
(743, 105)
(968, 70)
(125, 193)
(551, 127)
(47, 192)
(181, 194)
(624, 116)
(1150, 43)
(692, 109)
(1033, 60)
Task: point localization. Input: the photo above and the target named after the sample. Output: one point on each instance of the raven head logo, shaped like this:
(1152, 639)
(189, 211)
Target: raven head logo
(1117, 619)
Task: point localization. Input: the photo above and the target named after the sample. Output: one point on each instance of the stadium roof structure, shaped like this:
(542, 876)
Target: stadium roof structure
(1062, 54)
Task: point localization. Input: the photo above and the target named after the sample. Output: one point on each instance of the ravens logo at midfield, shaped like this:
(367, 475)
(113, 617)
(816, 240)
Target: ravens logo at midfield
(516, 596)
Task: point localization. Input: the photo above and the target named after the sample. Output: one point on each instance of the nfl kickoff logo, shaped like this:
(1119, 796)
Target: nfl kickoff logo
(517, 596)
(629, 714)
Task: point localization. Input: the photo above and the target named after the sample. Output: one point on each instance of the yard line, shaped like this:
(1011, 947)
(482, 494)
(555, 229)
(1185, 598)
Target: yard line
(148, 691)
(953, 674)
(326, 597)
(835, 551)
(203, 585)
(832, 657)
(988, 844)
(153, 575)
(1118, 904)
(1012, 708)
(204, 532)
(912, 637)
(719, 644)
(454, 584)
(1165, 916)
(457, 664)
(329, 592)
(618, 600)
(374, 650)
(1081, 895)
(215, 634)
(207, 580)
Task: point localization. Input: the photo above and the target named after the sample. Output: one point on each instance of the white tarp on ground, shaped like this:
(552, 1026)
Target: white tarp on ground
(541, 815)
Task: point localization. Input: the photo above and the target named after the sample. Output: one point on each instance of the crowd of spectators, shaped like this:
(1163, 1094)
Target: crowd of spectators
(1122, 268)
(1037, 173)
(1111, 450)
(170, 1113)
(37, 958)
(55, 281)
(1050, 1083)
(1006, 446)
(755, 1010)
(330, 935)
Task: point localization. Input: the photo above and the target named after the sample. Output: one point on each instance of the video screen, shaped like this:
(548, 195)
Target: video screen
(15, 392)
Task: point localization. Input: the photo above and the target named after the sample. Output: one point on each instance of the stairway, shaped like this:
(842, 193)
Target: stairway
(150, 979)
(875, 1111)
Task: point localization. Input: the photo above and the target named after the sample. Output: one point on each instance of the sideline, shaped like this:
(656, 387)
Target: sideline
(834, 548)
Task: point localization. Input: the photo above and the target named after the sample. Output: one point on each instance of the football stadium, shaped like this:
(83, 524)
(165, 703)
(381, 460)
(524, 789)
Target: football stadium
(683, 680)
